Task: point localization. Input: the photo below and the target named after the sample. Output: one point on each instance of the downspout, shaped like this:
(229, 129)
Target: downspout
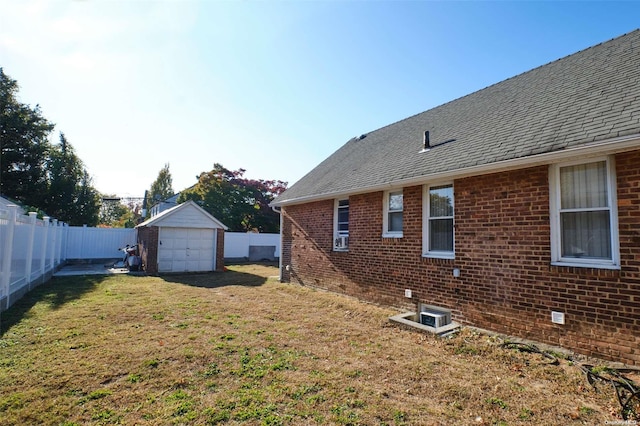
(279, 211)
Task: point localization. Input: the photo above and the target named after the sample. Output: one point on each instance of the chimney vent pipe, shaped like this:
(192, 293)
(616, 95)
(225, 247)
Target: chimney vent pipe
(426, 141)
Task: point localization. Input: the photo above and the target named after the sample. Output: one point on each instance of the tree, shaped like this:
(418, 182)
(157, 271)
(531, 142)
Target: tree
(37, 174)
(131, 217)
(241, 204)
(116, 213)
(70, 196)
(24, 146)
(111, 210)
(65, 171)
(161, 188)
(88, 201)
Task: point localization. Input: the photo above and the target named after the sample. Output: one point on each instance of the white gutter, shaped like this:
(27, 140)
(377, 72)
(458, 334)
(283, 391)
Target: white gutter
(611, 146)
(279, 211)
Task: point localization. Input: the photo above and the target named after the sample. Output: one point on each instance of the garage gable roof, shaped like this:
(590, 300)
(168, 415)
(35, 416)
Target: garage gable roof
(585, 100)
(185, 215)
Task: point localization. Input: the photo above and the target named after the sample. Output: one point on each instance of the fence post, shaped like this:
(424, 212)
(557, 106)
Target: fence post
(8, 250)
(83, 238)
(66, 241)
(54, 243)
(43, 259)
(59, 244)
(32, 233)
(64, 251)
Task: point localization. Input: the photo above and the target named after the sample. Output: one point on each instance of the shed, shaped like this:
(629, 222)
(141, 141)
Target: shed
(184, 238)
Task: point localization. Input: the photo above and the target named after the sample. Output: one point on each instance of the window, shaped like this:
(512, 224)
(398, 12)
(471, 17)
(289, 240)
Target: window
(438, 229)
(392, 222)
(583, 216)
(341, 225)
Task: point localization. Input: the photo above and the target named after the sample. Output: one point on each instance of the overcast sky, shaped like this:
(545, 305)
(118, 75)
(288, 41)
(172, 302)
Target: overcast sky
(273, 87)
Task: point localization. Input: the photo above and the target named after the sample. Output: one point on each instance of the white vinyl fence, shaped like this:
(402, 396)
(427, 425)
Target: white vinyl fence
(97, 243)
(31, 250)
(103, 243)
(241, 245)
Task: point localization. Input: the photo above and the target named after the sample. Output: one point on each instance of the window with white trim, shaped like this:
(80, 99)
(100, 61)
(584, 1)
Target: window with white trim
(584, 228)
(438, 226)
(393, 206)
(341, 225)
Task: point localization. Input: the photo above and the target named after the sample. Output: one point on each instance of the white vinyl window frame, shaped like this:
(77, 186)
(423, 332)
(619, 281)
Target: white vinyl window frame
(557, 211)
(341, 225)
(392, 211)
(428, 218)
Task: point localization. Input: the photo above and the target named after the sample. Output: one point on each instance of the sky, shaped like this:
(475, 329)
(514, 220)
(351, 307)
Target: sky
(272, 87)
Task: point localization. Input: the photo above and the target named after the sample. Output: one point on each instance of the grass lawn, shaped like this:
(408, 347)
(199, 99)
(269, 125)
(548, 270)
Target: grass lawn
(241, 348)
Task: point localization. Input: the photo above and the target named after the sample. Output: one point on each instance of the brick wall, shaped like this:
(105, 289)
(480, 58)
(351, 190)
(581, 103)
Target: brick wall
(148, 246)
(502, 246)
(220, 250)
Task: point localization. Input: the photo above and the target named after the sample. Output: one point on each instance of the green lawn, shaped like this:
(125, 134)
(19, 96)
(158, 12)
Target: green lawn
(241, 348)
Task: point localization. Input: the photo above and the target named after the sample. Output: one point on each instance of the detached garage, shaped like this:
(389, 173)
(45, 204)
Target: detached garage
(184, 238)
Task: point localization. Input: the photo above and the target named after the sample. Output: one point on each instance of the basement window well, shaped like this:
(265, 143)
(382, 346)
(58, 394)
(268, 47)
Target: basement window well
(428, 319)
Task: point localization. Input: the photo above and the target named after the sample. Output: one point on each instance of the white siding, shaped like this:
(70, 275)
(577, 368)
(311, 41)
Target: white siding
(188, 217)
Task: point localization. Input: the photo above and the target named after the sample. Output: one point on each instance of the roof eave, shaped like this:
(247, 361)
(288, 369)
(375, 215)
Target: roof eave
(162, 215)
(609, 146)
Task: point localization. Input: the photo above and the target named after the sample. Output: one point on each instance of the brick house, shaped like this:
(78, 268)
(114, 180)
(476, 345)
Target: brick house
(510, 207)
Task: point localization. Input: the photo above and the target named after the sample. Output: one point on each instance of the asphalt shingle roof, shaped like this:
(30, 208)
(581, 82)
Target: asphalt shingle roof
(590, 96)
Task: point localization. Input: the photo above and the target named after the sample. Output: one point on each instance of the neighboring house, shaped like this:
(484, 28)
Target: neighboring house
(5, 203)
(518, 211)
(165, 205)
(184, 238)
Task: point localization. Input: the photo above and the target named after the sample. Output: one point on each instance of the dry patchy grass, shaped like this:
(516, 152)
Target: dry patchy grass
(240, 348)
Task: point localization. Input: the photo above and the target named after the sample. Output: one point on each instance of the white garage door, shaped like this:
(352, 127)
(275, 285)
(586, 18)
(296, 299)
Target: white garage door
(186, 250)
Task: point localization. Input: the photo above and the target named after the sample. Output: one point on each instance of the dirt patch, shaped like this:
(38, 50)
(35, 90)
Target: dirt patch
(241, 348)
